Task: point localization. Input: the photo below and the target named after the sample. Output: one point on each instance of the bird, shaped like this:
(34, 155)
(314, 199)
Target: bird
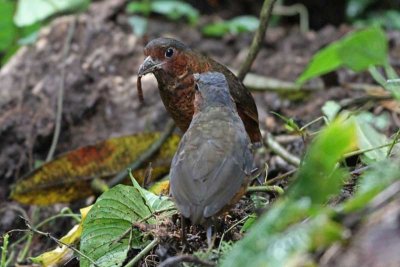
(210, 169)
(173, 64)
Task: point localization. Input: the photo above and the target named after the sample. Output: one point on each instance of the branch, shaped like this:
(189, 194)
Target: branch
(146, 155)
(281, 151)
(60, 98)
(266, 188)
(142, 253)
(265, 15)
(59, 242)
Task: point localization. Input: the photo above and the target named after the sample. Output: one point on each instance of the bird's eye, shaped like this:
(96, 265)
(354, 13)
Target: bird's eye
(169, 52)
(196, 87)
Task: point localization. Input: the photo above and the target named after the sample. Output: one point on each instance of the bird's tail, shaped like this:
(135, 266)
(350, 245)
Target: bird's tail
(196, 214)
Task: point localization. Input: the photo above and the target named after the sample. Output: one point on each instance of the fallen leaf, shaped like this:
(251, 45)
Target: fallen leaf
(68, 176)
(62, 254)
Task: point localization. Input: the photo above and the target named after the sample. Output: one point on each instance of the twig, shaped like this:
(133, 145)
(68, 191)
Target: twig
(59, 242)
(346, 103)
(230, 229)
(265, 15)
(295, 9)
(154, 214)
(362, 151)
(266, 188)
(60, 98)
(173, 261)
(142, 253)
(396, 137)
(146, 155)
(259, 83)
(281, 151)
(24, 252)
(280, 177)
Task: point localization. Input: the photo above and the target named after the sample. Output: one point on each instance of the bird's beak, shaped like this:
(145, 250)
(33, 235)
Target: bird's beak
(149, 65)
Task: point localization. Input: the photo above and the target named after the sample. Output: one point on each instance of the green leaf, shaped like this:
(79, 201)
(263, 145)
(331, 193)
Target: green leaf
(358, 51)
(369, 138)
(139, 7)
(324, 61)
(248, 223)
(281, 233)
(364, 49)
(356, 7)
(318, 178)
(138, 25)
(155, 202)
(388, 19)
(393, 86)
(243, 24)
(111, 217)
(216, 29)
(234, 26)
(7, 27)
(330, 109)
(32, 11)
(175, 10)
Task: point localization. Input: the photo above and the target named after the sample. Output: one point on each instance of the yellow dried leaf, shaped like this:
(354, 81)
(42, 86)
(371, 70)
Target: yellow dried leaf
(160, 187)
(68, 176)
(62, 254)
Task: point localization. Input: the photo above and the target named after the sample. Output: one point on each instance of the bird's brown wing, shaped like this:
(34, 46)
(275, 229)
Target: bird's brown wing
(205, 175)
(245, 104)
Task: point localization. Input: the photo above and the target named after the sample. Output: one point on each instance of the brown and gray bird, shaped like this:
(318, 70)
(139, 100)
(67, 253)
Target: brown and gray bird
(173, 65)
(210, 168)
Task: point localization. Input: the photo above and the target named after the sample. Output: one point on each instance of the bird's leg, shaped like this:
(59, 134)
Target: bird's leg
(183, 230)
(209, 236)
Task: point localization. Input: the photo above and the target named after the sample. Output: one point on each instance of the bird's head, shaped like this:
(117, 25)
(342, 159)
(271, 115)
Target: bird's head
(164, 55)
(212, 90)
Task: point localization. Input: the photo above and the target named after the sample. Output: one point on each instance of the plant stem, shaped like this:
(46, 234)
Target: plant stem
(142, 253)
(265, 15)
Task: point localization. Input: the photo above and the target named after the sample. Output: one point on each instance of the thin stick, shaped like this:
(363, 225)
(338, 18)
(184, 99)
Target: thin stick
(60, 98)
(362, 151)
(173, 261)
(59, 242)
(230, 229)
(282, 152)
(280, 177)
(142, 253)
(266, 188)
(153, 214)
(265, 15)
(146, 155)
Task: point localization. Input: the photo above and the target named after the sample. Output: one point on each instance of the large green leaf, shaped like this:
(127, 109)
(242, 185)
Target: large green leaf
(357, 51)
(272, 241)
(32, 11)
(104, 237)
(318, 178)
(364, 49)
